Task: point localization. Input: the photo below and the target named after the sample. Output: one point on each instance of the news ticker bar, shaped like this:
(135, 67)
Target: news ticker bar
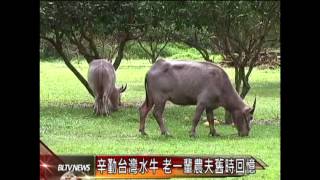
(146, 166)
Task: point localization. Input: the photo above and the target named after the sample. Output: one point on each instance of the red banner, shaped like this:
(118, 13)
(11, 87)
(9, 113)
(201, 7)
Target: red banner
(53, 167)
(174, 166)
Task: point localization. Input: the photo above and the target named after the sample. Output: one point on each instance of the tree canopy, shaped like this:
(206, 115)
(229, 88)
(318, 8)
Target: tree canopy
(238, 30)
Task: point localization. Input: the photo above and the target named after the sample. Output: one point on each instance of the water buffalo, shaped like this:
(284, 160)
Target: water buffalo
(101, 79)
(193, 83)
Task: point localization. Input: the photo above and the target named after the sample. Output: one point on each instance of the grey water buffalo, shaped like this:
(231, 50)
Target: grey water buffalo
(193, 83)
(101, 79)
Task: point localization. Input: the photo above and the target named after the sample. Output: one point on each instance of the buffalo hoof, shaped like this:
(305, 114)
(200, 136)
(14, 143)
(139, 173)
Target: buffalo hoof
(214, 134)
(166, 134)
(243, 135)
(143, 133)
(193, 135)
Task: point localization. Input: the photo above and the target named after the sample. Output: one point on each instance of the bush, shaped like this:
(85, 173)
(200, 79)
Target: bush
(134, 51)
(172, 50)
(47, 51)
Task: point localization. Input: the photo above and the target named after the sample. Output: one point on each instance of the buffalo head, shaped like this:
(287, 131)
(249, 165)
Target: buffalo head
(115, 97)
(244, 118)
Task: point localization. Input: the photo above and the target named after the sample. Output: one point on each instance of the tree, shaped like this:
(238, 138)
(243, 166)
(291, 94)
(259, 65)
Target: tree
(186, 20)
(239, 30)
(192, 26)
(159, 29)
(154, 41)
(83, 24)
(195, 38)
(52, 32)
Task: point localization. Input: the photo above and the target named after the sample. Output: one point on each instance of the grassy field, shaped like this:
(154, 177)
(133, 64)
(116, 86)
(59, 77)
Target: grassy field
(68, 126)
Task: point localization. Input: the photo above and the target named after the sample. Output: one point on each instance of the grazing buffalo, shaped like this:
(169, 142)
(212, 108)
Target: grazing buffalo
(102, 78)
(193, 83)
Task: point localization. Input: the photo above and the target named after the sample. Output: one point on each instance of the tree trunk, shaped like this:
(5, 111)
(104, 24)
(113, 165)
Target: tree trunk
(83, 51)
(58, 47)
(88, 58)
(75, 72)
(245, 88)
(245, 84)
(153, 59)
(119, 57)
(238, 79)
(204, 53)
(158, 54)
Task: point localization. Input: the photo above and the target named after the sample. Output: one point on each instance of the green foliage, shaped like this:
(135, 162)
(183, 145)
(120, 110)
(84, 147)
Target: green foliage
(194, 22)
(133, 51)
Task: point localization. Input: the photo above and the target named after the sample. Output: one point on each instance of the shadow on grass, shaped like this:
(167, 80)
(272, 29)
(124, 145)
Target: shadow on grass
(226, 133)
(178, 126)
(265, 89)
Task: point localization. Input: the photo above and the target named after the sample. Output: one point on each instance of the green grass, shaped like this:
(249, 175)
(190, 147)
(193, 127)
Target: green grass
(68, 126)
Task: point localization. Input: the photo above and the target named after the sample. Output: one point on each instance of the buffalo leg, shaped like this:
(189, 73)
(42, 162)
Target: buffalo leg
(98, 106)
(158, 115)
(108, 106)
(200, 108)
(95, 108)
(104, 106)
(210, 119)
(144, 110)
